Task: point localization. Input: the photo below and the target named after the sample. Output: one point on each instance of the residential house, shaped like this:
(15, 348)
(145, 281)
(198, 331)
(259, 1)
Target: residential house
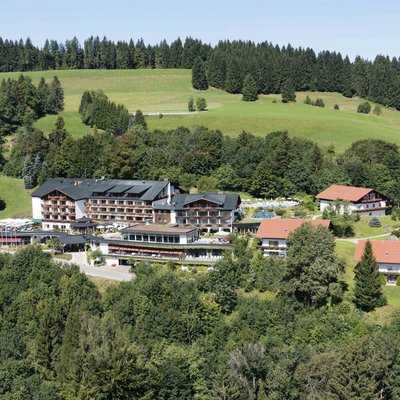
(363, 201)
(387, 255)
(274, 233)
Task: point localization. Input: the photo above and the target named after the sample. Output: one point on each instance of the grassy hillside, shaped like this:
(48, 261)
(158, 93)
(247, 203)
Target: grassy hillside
(169, 90)
(18, 199)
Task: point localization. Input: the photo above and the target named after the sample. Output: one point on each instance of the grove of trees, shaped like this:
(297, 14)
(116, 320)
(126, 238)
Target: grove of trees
(223, 66)
(168, 335)
(266, 166)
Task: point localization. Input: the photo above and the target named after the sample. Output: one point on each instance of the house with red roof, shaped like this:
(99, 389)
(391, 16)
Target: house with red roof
(274, 233)
(363, 201)
(387, 255)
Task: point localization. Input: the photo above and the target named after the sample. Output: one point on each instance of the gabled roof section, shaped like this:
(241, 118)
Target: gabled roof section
(90, 188)
(385, 251)
(341, 192)
(225, 201)
(281, 228)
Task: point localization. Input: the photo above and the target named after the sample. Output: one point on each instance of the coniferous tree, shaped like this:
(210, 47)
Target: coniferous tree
(249, 89)
(233, 81)
(191, 105)
(368, 285)
(288, 93)
(139, 120)
(199, 78)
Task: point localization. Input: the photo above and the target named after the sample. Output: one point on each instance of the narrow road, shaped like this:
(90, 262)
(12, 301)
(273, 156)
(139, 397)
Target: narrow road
(352, 240)
(120, 273)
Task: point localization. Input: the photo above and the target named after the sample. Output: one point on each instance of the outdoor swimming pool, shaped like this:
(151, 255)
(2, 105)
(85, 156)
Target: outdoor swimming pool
(263, 214)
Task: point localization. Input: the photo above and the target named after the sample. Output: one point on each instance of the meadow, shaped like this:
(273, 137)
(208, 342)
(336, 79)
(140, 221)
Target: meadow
(164, 90)
(18, 200)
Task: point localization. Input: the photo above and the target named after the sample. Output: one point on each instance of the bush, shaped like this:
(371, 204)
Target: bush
(377, 110)
(398, 281)
(319, 103)
(308, 101)
(191, 105)
(279, 211)
(336, 107)
(383, 279)
(2, 204)
(201, 104)
(374, 223)
(396, 233)
(364, 108)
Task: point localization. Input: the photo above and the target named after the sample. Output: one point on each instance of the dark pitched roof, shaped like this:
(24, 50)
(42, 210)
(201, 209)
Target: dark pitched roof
(179, 201)
(87, 188)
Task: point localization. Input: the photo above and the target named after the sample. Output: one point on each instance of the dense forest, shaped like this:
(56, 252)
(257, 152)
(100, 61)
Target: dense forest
(227, 64)
(21, 102)
(175, 336)
(265, 166)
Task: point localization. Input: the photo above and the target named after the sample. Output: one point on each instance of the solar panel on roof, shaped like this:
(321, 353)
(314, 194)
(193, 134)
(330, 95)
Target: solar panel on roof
(138, 189)
(119, 189)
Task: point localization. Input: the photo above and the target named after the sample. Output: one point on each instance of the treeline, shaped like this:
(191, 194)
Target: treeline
(99, 54)
(265, 166)
(226, 65)
(96, 110)
(168, 335)
(21, 102)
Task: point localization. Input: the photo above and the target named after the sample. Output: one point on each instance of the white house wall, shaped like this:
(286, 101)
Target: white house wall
(37, 208)
(80, 209)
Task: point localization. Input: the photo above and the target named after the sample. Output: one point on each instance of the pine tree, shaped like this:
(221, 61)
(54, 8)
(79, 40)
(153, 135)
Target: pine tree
(249, 89)
(199, 78)
(139, 120)
(368, 285)
(233, 81)
(288, 93)
(191, 105)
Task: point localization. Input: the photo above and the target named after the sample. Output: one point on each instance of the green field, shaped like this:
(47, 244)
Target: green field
(18, 200)
(169, 90)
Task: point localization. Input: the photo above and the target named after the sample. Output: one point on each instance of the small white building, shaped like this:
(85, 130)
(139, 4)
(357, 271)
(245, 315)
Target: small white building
(387, 255)
(363, 201)
(274, 233)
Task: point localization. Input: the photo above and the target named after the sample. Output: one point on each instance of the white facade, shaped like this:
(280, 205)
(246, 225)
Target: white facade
(37, 208)
(80, 209)
(375, 209)
(276, 247)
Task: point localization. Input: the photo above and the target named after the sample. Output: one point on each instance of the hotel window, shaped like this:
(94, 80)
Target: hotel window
(152, 238)
(273, 243)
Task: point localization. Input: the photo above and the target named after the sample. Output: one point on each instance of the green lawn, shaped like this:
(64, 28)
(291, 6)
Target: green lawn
(362, 229)
(18, 199)
(169, 90)
(346, 250)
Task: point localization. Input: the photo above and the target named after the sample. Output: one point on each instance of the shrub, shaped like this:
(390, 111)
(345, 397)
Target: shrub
(364, 108)
(375, 223)
(191, 105)
(279, 211)
(308, 101)
(396, 233)
(201, 104)
(160, 115)
(336, 107)
(2, 204)
(383, 279)
(319, 103)
(377, 110)
(398, 281)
